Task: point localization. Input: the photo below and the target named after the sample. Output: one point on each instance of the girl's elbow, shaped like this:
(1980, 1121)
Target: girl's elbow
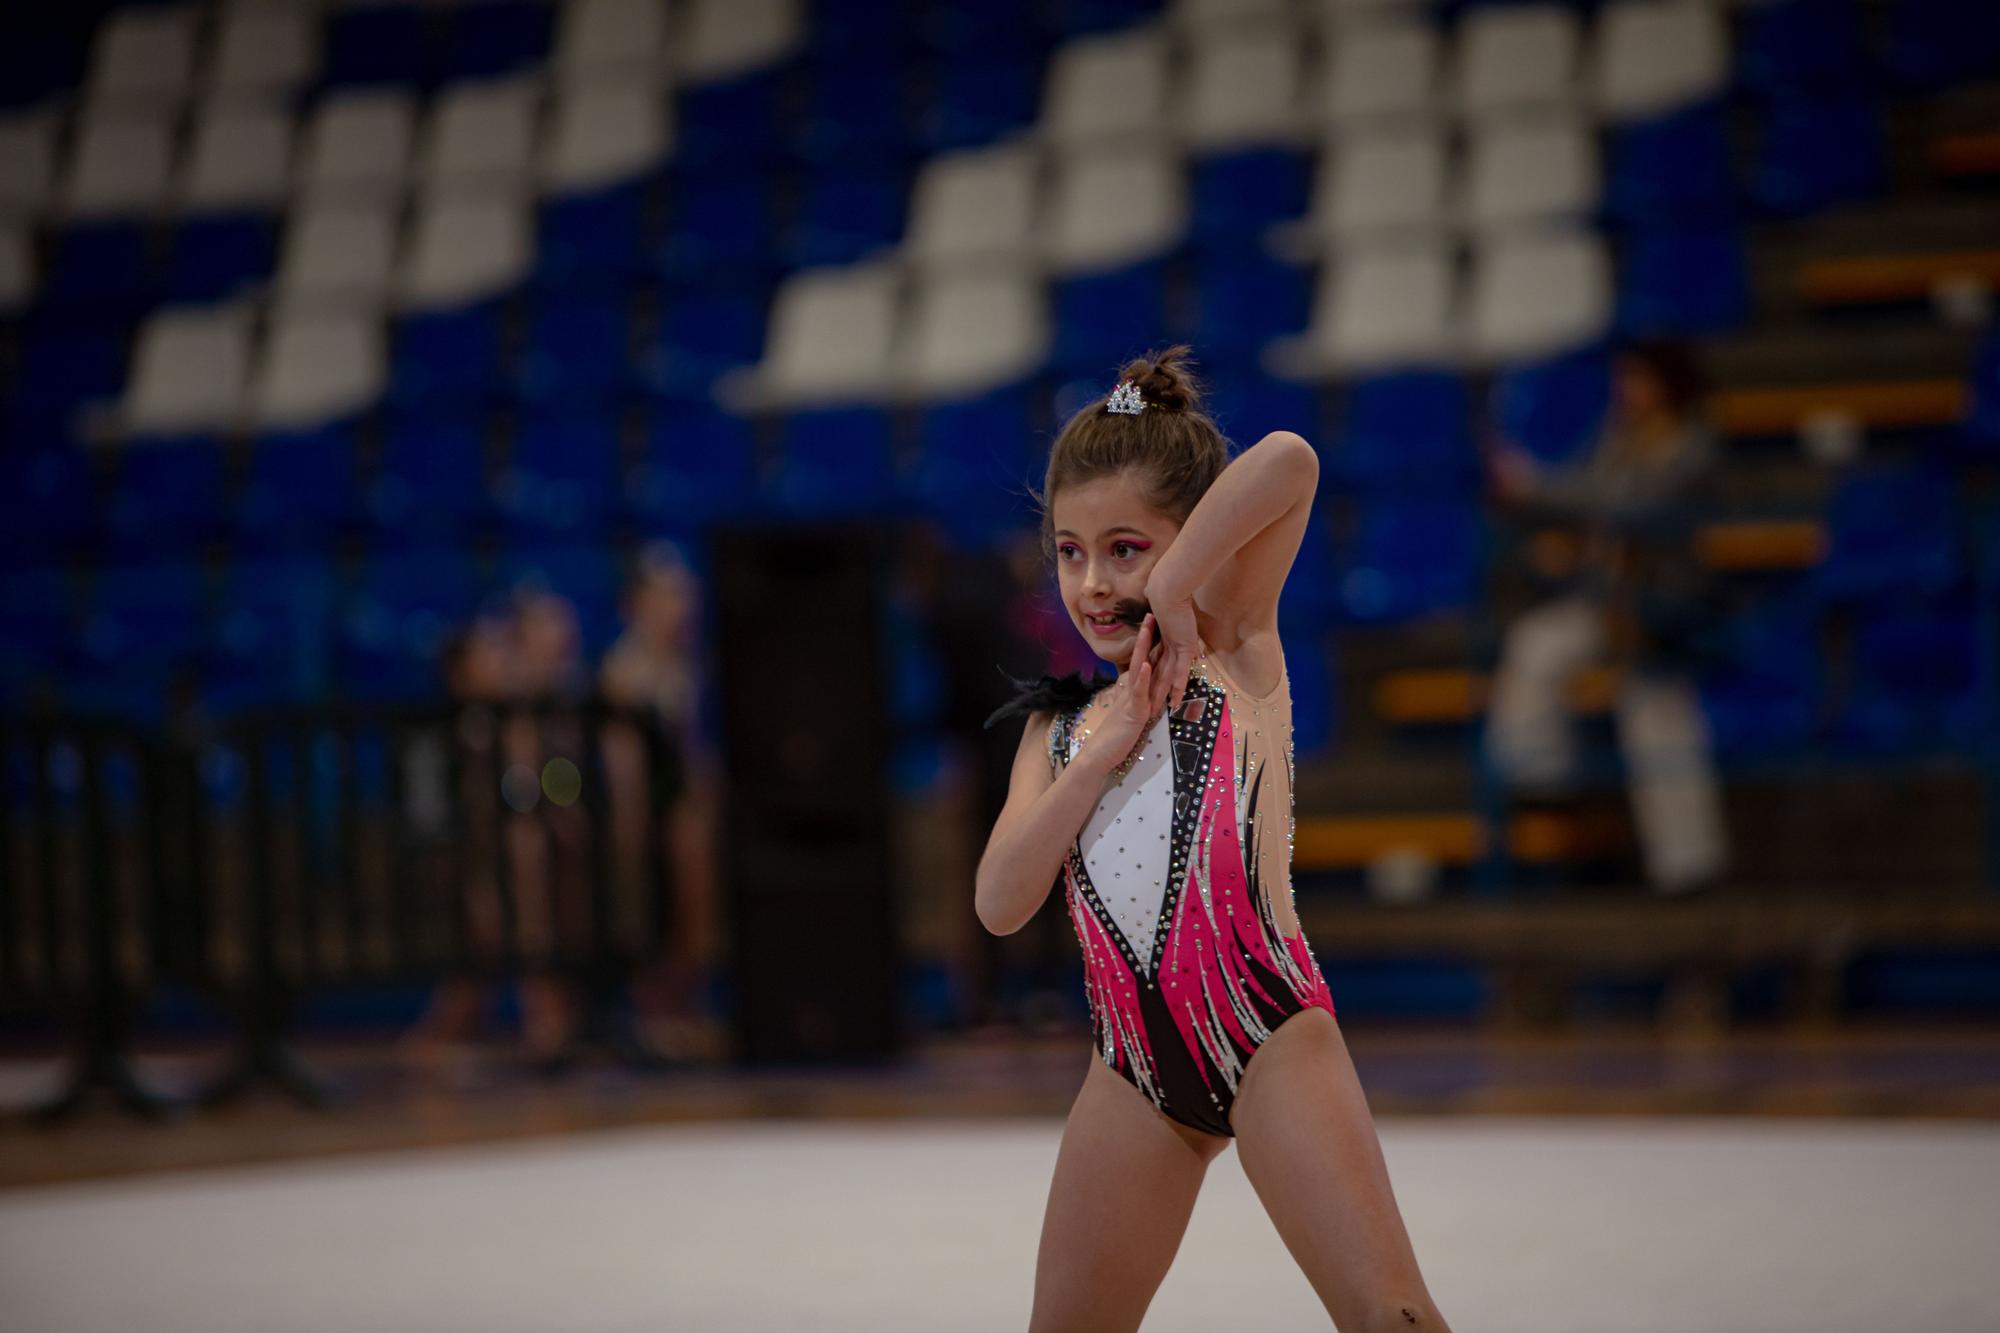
(990, 916)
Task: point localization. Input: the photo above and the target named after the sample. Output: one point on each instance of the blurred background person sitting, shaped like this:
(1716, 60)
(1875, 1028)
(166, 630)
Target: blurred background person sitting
(1610, 537)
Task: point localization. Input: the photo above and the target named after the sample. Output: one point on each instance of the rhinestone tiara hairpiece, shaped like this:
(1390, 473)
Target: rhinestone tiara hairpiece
(1125, 400)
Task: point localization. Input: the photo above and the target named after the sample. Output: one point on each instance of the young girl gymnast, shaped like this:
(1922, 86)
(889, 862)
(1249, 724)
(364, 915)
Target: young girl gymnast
(1162, 802)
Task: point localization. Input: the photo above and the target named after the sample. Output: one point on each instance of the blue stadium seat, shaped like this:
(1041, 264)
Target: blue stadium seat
(403, 606)
(1104, 319)
(1819, 151)
(1762, 695)
(168, 496)
(38, 625)
(301, 489)
(1936, 42)
(447, 357)
(143, 623)
(101, 267)
(47, 508)
(1682, 280)
(591, 238)
(1891, 530)
(1791, 45)
(1083, 16)
(1245, 299)
(217, 255)
(835, 461)
(1315, 711)
(65, 363)
(976, 101)
(700, 465)
(1916, 682)
(1237, 195)
(1408, 432)
(564, 476)
(496, 38)
(1311, 600)
(43, 52)
(378, 44)
(737, 122)
(846, 214)
(963, 28)
(430, 482)
(271, 641)
(577, 348)
(1247, 404)
(856, 110)
(1676, 168)
(1412, 557)
(1982, 426)
(974, 465)
(584, 573)
(1555, 408)
(720, 222)
(703, 333)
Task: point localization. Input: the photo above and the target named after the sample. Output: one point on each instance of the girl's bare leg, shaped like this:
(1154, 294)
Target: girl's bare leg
(1307, 1142)
(1125, 1183)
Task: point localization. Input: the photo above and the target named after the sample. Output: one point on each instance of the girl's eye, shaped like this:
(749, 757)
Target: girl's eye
(1127, 545)
(1064, 551)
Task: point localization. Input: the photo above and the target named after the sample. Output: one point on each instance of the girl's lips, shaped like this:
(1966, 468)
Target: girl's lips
(1105, 629)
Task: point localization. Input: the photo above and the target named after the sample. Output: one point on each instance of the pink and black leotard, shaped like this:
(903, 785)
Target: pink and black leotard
(1177, 885)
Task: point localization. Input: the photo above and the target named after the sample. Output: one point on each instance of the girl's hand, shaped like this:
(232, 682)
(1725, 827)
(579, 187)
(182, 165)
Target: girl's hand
(1132, 704)
(1179, 645)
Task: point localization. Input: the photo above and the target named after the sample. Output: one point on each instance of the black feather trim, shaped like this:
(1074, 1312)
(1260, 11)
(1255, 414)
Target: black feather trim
(1060, 693)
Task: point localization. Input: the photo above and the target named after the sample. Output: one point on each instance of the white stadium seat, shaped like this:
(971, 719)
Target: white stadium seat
(617, 38)
(264, 48)
(1379, 72)
(1115, 206)
(1390, 181)
(27, 162)
(465, 249)
(977, 205)
(241, 157)
(1539, 293)
(604, 133)
(1213, 16)
(971, 332)
(1514, 56)
(143, 57)
(1653, 56)
(358, 144)
(190, 371)
(17, 269)
(719, 39)
(337, 254)
(1531, 168)
(831, 337)
(119, 165)
(319, 368)
(1243, 90)
(1377, 307)
(481, 135)
(1110, 86)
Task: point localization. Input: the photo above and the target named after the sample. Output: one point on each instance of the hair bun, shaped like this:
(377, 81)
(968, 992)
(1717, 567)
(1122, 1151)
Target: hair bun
(1164, 379)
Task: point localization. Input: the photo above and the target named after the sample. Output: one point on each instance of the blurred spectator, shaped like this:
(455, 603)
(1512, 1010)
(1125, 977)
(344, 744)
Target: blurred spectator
(657, 664)
(1610, 533)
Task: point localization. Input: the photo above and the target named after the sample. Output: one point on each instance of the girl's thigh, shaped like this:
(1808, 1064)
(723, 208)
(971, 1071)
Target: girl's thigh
(1307, 1142)
(1125, 1183)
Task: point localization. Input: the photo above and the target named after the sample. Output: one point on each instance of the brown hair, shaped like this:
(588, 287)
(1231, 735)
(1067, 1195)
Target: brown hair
(1177, 451)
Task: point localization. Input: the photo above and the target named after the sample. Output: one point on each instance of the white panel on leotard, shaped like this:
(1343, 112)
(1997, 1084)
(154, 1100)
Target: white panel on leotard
(1128, 844)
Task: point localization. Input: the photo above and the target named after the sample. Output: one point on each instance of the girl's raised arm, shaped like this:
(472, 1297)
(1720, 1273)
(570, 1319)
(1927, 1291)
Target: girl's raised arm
(1237, 545)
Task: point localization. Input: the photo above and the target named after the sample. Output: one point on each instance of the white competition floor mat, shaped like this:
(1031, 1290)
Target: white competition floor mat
(1542, 1225)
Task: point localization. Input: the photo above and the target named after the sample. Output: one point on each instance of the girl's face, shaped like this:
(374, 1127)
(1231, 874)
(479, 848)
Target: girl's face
(1107, 541)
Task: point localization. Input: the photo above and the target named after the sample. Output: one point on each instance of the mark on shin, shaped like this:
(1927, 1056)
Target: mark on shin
(1409, 1315)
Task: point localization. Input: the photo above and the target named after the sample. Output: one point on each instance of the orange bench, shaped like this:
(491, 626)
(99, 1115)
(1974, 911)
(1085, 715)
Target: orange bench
(1875, 403)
